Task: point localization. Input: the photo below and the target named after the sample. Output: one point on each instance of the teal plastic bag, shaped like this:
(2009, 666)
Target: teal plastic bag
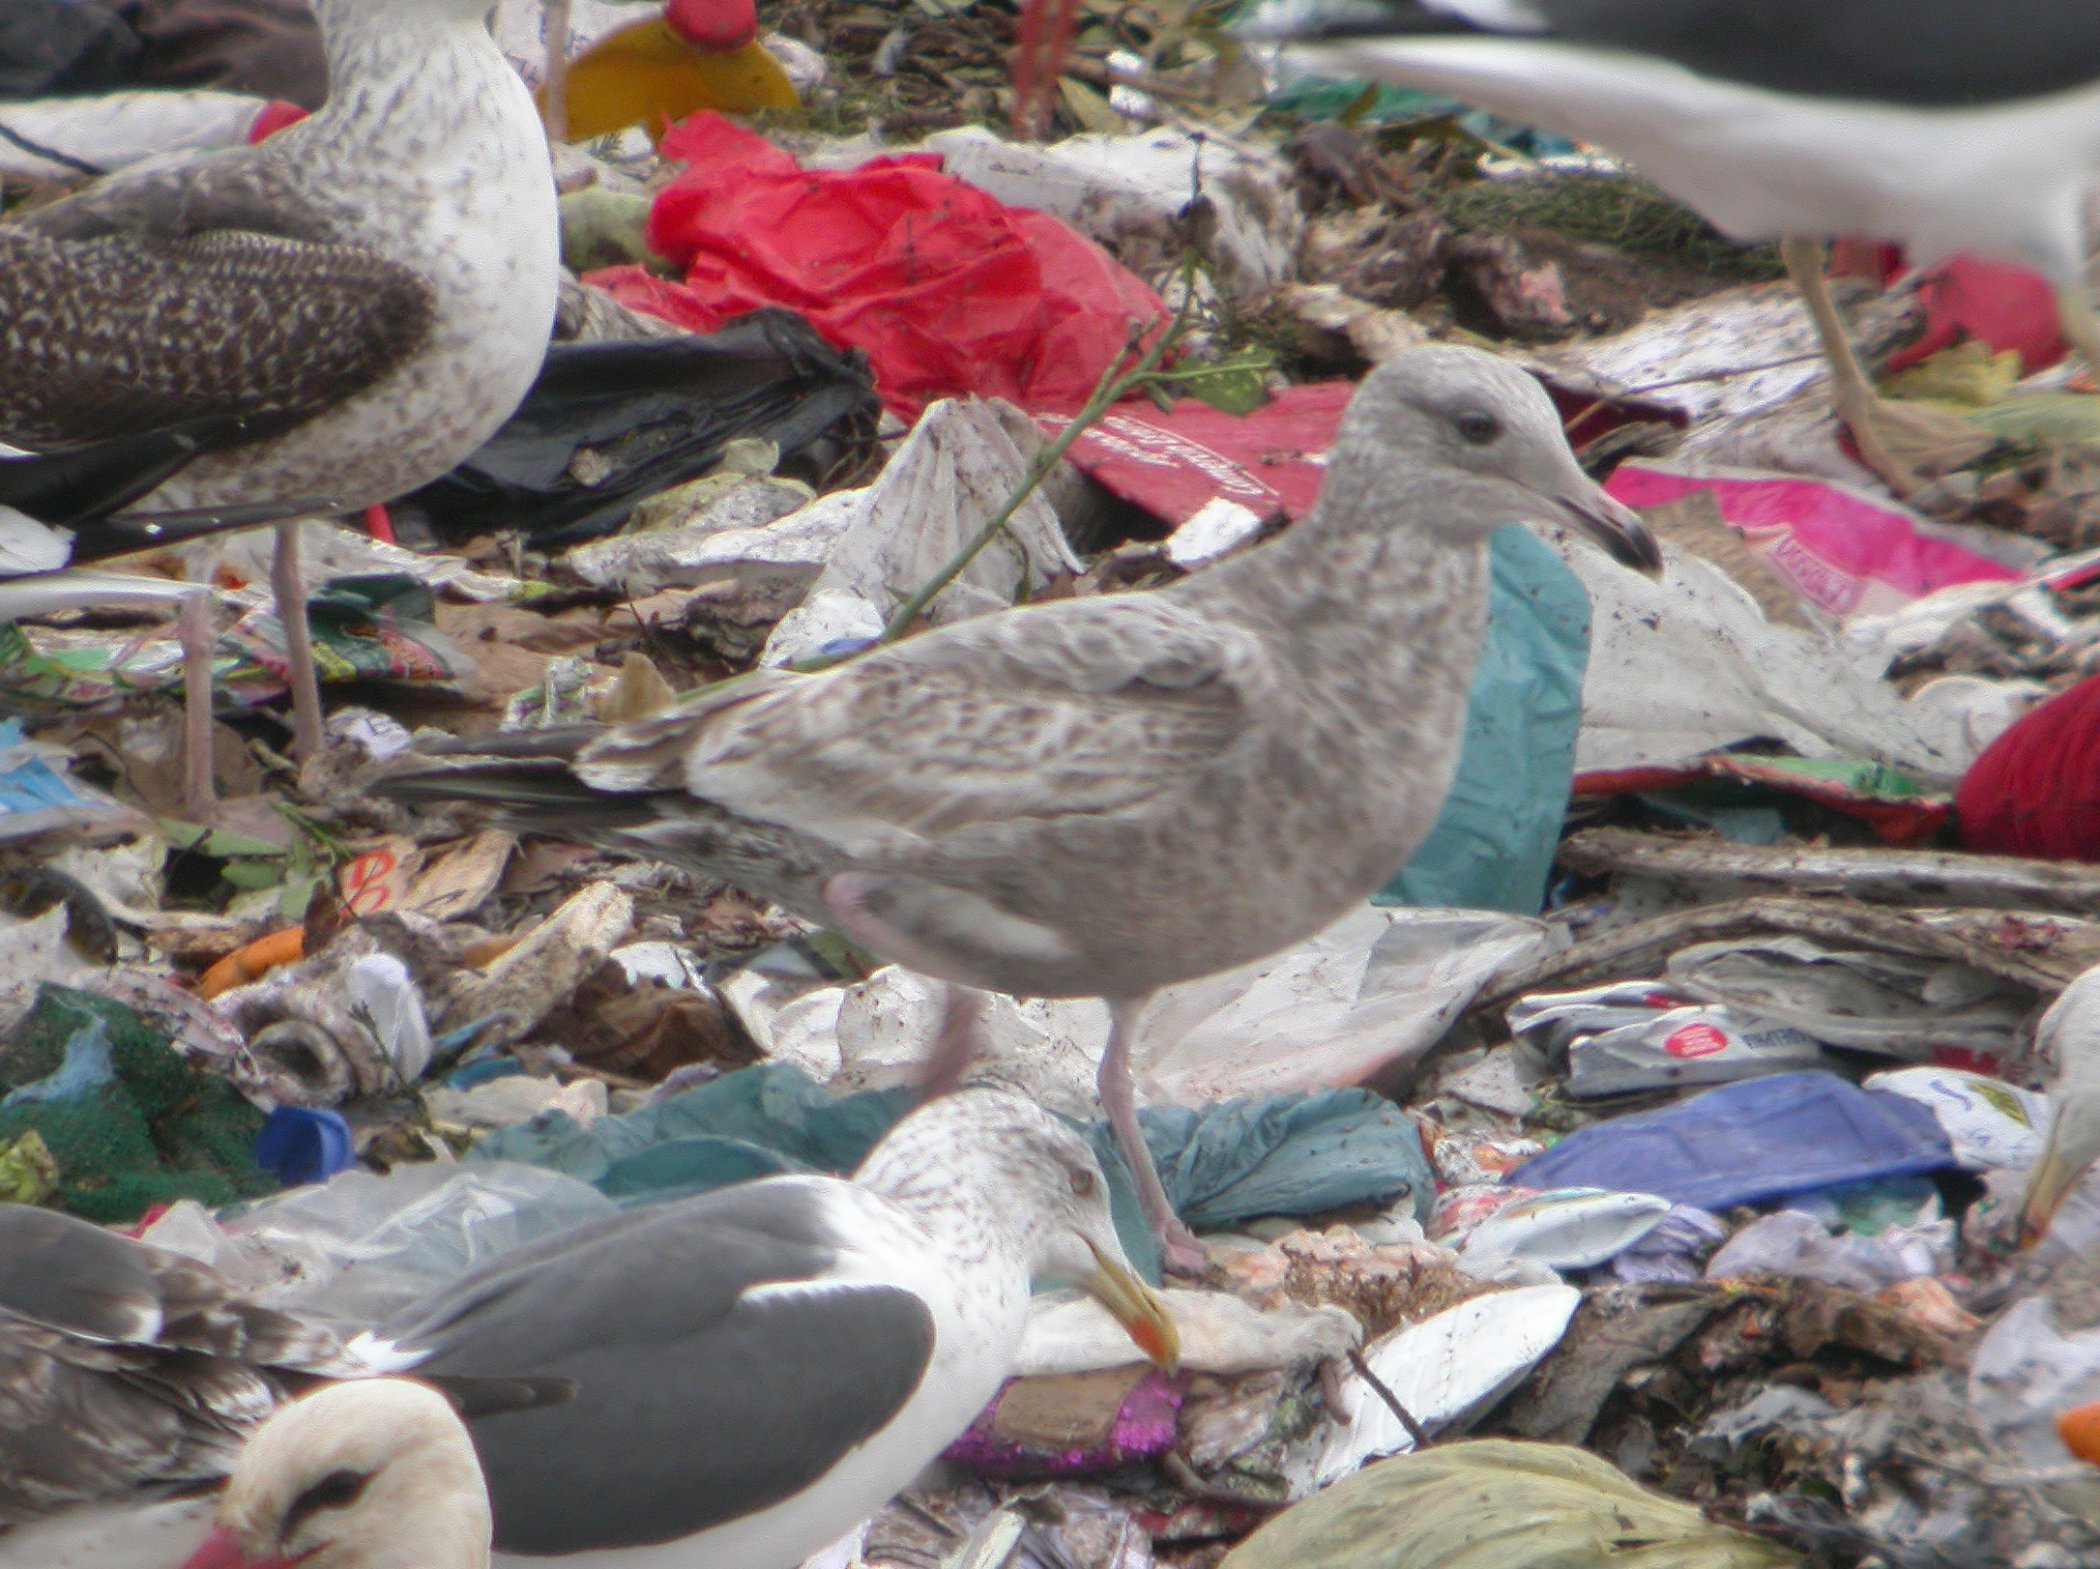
(1492, 847)
(758, 1122)
(1286, 1155)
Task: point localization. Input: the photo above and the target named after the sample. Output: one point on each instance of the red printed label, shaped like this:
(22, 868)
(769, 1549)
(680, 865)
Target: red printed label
(367, 882)
(1695, 1040)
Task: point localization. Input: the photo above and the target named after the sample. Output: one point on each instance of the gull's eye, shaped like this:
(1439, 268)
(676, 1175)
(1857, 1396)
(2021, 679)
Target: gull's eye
(336, 1490)
(1478, 428)
(1082, 1182)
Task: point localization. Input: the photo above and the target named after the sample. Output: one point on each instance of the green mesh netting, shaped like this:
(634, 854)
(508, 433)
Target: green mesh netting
(151, 1130)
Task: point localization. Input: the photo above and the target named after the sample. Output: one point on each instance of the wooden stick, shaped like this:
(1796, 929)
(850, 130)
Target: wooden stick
(1880, 876)
(1415, 1430)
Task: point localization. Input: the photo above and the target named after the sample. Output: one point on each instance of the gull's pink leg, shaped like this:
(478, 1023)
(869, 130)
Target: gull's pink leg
(199, 795)
(289, 589)
(955, 1046)
(1119, 1099)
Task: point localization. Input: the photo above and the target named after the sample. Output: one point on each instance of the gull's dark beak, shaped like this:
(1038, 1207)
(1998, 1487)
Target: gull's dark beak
(1618, 528)
(1136, 1306)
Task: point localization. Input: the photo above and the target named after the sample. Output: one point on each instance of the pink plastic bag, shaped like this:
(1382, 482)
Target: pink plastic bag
(1843, 550)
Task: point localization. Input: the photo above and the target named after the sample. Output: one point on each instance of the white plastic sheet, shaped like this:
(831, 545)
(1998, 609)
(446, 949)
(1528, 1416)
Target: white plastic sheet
(958, 466)
(110, 131)
(1684, 666)
(1128, 192)
(1359, 1002)
(1442, 1370)
(1220, 1333)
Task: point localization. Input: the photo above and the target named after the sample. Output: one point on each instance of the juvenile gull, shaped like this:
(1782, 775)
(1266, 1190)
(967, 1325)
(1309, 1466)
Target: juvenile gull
(1945, 125)
(127, 1368)
(313, 325)
(1101, 797)
(378, 1474)
(739, 1377)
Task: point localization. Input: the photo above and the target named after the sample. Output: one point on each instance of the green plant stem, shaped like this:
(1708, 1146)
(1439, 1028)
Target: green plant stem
(1117, 382)
(1114, 385)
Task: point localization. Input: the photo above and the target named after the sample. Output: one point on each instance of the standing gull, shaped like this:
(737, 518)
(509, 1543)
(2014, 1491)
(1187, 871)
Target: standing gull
(316, 324)
(734, 1379)
(1945, 125)
(1102, 797)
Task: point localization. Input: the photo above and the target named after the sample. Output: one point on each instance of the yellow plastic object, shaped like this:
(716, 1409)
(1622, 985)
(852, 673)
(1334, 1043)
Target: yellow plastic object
(1494, 1503)
(644, 74)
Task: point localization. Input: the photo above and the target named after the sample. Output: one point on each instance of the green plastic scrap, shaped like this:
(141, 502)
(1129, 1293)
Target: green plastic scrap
(249, 864)
(757, 1122)
(28, 1170)
(124, 1120)
(374, 626)
(1495, 1503)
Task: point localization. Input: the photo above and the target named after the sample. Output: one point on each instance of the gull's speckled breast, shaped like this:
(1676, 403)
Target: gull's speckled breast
(432, 155)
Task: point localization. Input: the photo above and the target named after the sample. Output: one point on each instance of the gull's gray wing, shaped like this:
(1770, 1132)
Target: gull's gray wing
(706, 1384)
(1944, 54)
(1095, 706)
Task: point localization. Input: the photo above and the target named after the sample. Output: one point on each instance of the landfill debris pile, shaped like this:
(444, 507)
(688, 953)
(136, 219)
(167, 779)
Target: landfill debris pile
(1690, 1146)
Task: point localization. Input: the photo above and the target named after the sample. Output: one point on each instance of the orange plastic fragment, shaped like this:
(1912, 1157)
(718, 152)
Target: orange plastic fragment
(2079, 1428)
(253, 962)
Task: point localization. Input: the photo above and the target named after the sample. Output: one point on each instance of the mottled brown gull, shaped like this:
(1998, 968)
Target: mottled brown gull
(1101, 797)
(313, 325)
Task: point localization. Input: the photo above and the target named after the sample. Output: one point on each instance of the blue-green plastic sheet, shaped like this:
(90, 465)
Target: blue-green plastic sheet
(1288, 1155)
(1492, 848)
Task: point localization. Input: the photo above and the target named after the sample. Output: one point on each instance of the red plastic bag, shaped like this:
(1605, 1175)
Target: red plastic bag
(2003, 304)
(946, 289)
(2035, 791)
(2006, 306)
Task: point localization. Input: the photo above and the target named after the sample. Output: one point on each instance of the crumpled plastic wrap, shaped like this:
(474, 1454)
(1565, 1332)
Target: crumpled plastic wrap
(961, 461)
(1498, 1504)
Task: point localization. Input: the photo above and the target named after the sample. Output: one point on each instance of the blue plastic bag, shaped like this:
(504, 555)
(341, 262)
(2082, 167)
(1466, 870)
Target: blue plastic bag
(1746, 1143)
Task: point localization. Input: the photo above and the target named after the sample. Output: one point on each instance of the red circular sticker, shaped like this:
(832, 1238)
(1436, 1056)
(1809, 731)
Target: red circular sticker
(1695, 1040)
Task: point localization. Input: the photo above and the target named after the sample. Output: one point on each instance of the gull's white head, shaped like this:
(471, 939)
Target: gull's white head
(373, 1474)
(1043, 1184)
(1491, 438)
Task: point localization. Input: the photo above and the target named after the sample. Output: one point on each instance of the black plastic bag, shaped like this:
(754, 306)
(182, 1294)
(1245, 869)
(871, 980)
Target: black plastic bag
(54, 47)
(656, 413)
